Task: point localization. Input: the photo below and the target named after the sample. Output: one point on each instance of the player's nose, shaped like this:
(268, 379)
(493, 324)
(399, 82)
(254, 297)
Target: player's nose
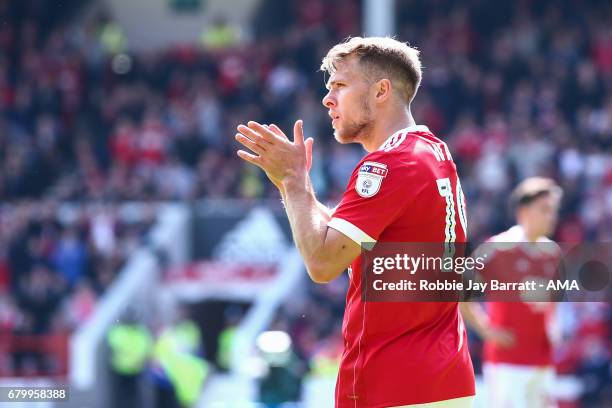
(328, 101)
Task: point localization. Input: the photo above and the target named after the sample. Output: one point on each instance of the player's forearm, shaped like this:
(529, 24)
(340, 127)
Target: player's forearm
(324, 211)
(308, 219)
(475, 316)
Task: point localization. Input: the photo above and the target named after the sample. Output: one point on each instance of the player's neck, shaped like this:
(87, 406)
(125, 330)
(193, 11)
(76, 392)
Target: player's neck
(530, 235)
(386, 125)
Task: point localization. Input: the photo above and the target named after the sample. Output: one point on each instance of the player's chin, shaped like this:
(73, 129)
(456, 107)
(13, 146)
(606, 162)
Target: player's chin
(343, 138)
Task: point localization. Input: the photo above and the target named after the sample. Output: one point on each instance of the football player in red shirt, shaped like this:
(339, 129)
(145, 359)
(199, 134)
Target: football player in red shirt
(518, 336)
(405, 189)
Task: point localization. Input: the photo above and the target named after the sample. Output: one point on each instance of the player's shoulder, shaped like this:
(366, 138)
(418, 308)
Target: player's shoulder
(401, 144)
(514, 234)
(405, 138)
(505, 242)
(385, 167)
(407, 151)
(514, 239)
(415, 143)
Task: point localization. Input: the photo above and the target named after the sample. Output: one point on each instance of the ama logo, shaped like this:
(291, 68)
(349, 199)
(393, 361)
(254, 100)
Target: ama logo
(370, 178)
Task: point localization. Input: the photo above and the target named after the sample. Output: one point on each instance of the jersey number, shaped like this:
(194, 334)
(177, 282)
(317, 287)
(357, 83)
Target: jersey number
(446, 190)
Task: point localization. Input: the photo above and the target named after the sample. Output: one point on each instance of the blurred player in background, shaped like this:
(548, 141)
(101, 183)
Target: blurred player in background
(519, 336)
(406, 189)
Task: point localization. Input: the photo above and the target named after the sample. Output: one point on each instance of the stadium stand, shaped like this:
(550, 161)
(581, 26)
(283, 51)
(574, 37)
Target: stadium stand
(56, 263)
(516, 89)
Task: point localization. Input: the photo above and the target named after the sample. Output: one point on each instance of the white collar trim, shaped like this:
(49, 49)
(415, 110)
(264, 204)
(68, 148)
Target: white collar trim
(409, 129)
(518, 233)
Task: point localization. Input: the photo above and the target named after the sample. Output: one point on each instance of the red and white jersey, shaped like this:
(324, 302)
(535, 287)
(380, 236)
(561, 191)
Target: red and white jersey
(400, 353)
(529, 322)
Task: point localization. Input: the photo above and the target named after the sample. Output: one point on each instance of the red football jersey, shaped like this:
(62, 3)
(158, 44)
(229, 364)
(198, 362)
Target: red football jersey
(399, 353)
(528, 321)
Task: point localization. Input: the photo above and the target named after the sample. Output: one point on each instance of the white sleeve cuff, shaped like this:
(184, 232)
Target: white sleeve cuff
(352, 232)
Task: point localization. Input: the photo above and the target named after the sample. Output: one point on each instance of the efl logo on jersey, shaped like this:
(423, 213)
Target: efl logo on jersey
(369, 178)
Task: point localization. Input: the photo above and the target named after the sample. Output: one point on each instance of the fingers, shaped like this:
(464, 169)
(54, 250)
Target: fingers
(248, 143)
(277, 131)
(308, 143)
(251, 158)
(258, 129)
(255, 137)
(271, 133)
(298, 132)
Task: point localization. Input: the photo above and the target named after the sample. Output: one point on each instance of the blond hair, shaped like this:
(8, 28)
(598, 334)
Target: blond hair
(533, 188)
(383, 57)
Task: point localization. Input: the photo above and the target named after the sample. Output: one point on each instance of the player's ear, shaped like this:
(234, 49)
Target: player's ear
(383, 90)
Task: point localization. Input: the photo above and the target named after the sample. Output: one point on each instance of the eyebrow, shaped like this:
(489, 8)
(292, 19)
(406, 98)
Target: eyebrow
(329, 84)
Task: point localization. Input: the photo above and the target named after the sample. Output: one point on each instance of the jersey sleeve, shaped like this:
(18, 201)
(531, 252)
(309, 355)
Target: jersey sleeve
(381, 187)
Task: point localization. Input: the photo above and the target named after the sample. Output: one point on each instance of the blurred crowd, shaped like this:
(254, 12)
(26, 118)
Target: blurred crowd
(55, 263)
(516, 88)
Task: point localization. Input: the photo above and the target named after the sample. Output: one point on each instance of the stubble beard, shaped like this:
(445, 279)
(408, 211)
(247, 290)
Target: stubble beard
(356, 131)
